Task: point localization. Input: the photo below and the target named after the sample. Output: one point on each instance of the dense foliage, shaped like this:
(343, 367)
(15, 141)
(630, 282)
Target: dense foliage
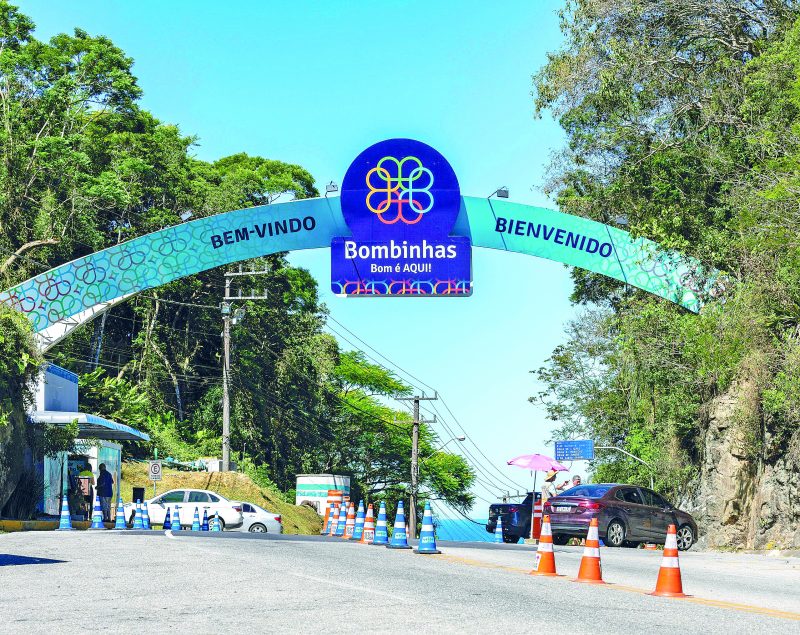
(83, 167)
(683, 118)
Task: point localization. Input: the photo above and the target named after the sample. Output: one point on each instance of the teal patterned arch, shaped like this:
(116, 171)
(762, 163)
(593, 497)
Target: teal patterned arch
(74, 292)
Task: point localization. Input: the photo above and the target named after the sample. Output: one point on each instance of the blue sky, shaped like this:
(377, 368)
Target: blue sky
(315, 83)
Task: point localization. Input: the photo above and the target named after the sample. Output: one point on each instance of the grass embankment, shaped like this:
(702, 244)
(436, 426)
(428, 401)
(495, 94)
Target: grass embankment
(233, 485)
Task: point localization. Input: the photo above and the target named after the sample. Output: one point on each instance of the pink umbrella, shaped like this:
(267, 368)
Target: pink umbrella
(537, 463)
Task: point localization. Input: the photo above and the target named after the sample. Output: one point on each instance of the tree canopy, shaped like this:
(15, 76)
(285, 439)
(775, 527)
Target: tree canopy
(83, 167)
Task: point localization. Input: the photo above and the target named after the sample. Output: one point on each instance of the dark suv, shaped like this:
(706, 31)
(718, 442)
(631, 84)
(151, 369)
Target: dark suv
(626, 514)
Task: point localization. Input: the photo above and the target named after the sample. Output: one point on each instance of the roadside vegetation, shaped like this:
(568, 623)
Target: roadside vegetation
(84, 167)
(683, 126)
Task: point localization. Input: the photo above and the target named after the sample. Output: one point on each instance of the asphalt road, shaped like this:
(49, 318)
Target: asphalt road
(130, 582)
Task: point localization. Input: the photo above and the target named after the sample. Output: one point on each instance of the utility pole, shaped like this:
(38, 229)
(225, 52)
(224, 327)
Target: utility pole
(227, 320)
(412, 509)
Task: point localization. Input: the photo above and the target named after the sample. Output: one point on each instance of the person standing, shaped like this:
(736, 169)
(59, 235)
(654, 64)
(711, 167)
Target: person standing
(576, 480)
(548, 487)
(105, 490)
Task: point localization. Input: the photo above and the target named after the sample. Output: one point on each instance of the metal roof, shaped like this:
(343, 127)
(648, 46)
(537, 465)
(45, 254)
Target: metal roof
(91, 426)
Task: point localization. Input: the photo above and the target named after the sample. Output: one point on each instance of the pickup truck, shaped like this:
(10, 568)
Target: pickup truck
(516, 518)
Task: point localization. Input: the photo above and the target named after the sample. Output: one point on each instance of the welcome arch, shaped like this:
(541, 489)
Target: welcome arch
(61, 299)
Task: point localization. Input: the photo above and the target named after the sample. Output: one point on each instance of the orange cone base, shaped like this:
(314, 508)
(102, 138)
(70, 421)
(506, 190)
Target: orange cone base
(549, 575)
(669, 594)
(669, 584)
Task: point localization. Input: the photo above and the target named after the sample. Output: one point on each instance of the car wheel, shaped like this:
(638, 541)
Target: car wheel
(560, 539)
(615, 534)
(510, 540)
(257, 528)
(685, 537)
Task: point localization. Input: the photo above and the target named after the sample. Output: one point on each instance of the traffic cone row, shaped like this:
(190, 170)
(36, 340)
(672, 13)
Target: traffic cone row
(668, 584)
(362, 527)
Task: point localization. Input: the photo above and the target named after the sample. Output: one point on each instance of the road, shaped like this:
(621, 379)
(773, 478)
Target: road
(127, 581)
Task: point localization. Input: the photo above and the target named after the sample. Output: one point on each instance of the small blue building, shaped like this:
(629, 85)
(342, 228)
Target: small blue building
(56, 403)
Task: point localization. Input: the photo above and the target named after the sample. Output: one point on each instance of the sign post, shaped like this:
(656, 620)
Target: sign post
(154, 473)
(575, 450)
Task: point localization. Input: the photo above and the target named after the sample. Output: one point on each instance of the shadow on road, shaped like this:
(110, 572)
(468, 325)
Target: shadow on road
(10, 560)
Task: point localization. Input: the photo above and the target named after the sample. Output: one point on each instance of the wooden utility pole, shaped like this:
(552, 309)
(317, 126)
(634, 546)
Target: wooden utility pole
(412, 509)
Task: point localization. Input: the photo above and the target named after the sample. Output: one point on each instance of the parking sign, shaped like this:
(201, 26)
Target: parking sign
(154, 471)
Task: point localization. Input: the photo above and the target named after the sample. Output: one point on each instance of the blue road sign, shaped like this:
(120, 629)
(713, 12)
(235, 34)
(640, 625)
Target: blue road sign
(575, 450)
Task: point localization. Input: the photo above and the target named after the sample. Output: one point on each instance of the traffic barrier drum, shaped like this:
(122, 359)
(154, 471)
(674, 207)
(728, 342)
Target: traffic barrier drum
(536, 520)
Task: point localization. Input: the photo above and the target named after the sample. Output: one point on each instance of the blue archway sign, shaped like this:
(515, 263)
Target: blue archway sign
(62, 298)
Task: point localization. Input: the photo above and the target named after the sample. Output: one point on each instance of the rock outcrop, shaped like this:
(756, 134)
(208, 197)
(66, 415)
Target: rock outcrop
(747, 492)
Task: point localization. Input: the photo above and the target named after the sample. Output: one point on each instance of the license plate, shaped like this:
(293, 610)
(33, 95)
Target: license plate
(563, 510)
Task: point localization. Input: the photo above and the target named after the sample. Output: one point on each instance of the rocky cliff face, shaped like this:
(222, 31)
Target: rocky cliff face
(747, 493)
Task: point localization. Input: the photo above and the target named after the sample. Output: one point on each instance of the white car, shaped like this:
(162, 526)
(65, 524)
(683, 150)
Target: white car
(259, 520)
(186, 500)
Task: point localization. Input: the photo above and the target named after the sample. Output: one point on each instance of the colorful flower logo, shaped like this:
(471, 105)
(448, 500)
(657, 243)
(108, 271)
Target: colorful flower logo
(399, 190)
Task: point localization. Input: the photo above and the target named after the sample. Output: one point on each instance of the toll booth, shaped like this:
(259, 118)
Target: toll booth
(56, 402)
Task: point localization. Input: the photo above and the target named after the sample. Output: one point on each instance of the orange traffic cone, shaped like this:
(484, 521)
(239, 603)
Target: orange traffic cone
(545, 559)
(669, 575)
(368, 535)
(350, 522)
(590, 569)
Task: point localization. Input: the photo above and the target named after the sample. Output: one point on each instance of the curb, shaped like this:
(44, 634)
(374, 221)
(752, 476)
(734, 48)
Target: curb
(42, 525)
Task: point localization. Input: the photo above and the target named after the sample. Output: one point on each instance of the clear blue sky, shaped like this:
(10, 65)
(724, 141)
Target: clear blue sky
(315, 83)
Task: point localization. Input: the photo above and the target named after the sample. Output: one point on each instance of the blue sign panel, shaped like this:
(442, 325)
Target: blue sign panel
(575, 450)
(400, 198)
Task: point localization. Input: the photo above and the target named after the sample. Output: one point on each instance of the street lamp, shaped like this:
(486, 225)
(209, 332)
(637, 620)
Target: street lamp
(330, 188)
(459, 439)
(501, 192)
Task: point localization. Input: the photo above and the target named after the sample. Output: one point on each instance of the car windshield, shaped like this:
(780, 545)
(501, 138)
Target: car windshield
(587, 491)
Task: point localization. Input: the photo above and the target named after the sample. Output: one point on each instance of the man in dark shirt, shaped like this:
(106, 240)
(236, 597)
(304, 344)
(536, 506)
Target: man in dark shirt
(105, 485)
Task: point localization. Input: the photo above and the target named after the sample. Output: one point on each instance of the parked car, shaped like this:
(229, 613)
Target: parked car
(627, 515)
(186, 500)
(516, 518)
(259, 520)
